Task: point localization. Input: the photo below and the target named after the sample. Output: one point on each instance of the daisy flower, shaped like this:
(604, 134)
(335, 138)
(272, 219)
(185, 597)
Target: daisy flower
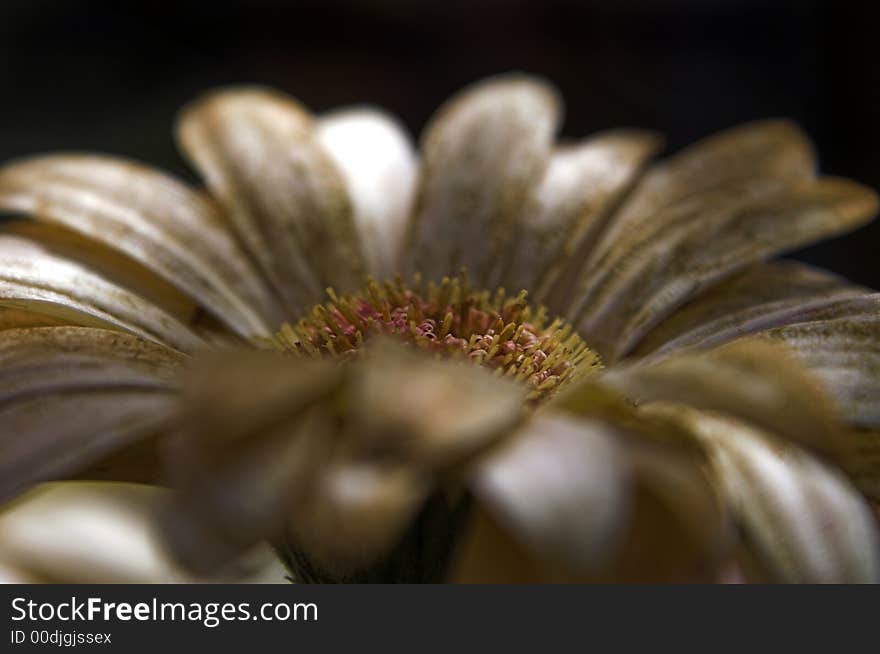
(497, 358)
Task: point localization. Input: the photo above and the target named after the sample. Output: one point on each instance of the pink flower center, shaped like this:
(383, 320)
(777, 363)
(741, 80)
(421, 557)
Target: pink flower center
(494, 330)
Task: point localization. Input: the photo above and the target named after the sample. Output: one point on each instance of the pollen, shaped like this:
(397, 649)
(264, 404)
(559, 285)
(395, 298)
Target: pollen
(492, 329)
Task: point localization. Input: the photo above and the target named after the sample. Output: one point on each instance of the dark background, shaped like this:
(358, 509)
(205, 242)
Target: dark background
(109, 76)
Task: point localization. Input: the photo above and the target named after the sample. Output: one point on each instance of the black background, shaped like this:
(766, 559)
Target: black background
(109, 76)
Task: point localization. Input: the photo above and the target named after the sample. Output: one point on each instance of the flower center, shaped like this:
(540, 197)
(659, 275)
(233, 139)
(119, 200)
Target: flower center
(494, 330)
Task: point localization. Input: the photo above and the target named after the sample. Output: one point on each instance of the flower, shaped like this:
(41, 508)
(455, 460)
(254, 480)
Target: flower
(320, 350)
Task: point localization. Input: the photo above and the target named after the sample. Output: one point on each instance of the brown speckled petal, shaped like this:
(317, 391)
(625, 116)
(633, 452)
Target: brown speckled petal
(108, 262)
(751, 379)
(38, 280)
(260, 155)
(730, 201)
(776, 149)
(71, 395)
(567, 209)
(765, 295)
(841, 346)
(483, 152)
(714, 236)
(802, 519)
(152, 218)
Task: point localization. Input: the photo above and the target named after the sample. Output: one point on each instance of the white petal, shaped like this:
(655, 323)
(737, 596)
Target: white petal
(72, 395)
(76, 532)
(561, 221)
(842, 348)
(376, 159)
(723, 204)
(765, 295)
(561, 488)
(152, 218)
(259, 154)
(483, 152)
(37, 280)
(803, 519)
(710, 237)
(758, 382)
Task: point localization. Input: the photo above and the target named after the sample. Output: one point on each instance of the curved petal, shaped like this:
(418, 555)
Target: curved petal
(34, 279)
(261, 157)
(587, 499)
(152, 218)
(75, 532)
(775, 149)
(564, 215)
(107, 262)
(768, 294)
(680, 530)
(755, 381)
(836, 337)
(669, 266)
(716, 234)
(803, 520)
(483, 152)
(842, 347)
(243, 437)
(437, 413)
(328, 460)
(11, 318)
(562, 489)
(375, 156)
(71, 395)
(728, 201)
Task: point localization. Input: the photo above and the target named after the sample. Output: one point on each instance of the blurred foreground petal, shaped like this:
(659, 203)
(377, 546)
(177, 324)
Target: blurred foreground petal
(72, 395)
(331, 461)
(802, 519)
(77, 532)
